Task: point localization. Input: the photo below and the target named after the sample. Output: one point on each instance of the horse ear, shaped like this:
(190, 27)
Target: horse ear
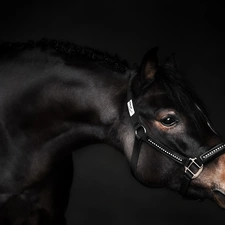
(149, 64)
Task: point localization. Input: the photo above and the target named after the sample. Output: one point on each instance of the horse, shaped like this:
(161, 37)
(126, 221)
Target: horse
(56, 97)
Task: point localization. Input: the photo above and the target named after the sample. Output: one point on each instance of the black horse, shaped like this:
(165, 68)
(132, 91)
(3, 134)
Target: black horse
(57, 97)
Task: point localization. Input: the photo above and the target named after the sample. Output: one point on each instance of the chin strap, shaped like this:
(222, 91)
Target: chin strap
(192, 166)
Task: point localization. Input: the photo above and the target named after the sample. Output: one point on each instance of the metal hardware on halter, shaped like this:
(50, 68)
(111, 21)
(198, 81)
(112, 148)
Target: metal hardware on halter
(144, 131)
(188, 169)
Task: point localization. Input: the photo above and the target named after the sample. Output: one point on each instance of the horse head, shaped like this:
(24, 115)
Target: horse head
(174, 143)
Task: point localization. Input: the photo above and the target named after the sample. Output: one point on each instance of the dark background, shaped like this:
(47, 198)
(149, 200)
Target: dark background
(104, 192)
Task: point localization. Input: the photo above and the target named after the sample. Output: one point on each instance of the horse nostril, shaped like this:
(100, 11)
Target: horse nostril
(219, 192)
(219, 196)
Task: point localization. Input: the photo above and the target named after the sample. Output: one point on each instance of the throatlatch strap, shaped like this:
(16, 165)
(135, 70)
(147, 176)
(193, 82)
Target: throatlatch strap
(135, 156)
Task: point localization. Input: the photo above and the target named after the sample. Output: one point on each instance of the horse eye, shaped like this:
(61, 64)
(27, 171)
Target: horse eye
(169, 121)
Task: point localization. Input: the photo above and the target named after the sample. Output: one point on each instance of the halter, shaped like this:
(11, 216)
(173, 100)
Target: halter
(192, 166)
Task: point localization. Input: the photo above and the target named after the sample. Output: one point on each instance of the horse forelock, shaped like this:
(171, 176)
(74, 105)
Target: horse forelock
(179, 93)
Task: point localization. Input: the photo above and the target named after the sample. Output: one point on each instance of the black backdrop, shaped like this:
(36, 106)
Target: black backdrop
(104, 192)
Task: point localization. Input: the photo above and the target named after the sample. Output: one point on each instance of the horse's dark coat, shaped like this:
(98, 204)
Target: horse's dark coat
(56, 97)
(47, 110)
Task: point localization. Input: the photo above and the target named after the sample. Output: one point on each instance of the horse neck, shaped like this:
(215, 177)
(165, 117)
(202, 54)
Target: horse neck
(99, 107)
(71, 105)
(79, 107)
(50, 110)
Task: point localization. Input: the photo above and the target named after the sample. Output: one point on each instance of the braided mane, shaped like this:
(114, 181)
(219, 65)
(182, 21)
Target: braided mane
(68, 50)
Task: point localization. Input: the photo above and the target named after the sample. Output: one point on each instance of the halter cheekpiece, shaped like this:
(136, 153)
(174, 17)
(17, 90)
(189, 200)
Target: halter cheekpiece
(192, 166)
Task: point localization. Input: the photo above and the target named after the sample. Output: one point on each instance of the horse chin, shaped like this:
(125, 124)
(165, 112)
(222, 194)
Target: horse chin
(219, 197)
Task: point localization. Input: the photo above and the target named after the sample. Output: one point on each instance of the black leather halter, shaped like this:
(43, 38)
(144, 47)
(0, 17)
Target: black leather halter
(192, 166)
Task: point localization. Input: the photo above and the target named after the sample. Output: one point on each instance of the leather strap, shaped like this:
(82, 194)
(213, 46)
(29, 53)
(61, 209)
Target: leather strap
(135, 157)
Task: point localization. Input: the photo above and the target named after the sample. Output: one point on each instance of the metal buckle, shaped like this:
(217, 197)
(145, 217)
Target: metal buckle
(138, 129)
(196, 166)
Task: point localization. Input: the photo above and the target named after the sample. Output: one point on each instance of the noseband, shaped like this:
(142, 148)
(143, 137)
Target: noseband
(192, 166)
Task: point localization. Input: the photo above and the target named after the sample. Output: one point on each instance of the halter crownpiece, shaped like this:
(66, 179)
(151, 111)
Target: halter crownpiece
(192, 166)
